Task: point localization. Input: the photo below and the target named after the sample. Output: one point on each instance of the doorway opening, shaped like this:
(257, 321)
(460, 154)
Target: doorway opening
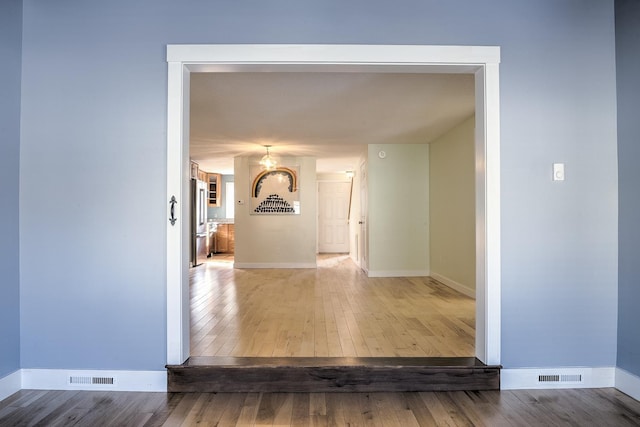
(482, 62)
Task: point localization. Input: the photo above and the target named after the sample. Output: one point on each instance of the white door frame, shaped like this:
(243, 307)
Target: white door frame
(482, 61)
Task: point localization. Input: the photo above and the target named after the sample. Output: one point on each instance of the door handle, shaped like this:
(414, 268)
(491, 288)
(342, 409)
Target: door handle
(172, 213)
(360, 222)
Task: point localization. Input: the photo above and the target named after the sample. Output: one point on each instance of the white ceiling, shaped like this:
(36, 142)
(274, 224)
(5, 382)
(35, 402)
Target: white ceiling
(332, 116)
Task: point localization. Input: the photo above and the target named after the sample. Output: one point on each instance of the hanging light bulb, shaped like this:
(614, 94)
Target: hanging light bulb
(267, 161)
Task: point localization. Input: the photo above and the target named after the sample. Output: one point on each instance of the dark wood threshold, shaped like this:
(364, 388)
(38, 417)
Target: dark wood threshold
(330, 374)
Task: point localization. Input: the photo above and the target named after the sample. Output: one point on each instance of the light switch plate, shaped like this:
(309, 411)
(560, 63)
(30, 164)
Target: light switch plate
(558, 171)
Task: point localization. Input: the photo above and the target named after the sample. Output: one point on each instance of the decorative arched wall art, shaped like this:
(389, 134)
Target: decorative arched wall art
(275, 192)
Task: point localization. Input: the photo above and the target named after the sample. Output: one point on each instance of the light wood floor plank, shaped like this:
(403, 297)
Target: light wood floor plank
(331, 311)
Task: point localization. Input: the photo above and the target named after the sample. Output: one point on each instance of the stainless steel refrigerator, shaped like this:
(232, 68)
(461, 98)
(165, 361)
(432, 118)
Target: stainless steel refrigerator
(198, 222)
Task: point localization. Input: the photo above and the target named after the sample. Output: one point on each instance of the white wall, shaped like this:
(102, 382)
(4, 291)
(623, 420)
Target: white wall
(398, 201)
(285, 241)
(452, 208)
(332, 177)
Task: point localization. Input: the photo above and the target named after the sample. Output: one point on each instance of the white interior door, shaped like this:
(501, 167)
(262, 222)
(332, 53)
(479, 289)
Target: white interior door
(333, 217)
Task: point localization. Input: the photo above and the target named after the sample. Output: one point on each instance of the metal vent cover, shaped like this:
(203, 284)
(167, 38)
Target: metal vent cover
(85, 380)
(560, 378)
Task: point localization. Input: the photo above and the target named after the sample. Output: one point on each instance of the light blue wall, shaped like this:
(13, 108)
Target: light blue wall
(10, 52)
(628, 70)
(93, 154)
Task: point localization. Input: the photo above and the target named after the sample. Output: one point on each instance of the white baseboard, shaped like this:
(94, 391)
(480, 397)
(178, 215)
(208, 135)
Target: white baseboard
(275, 265)
(628, 383)
(156, 381)
(464, 289)
(59, 379)
(397, 273)
(529, 378)
(10, 384)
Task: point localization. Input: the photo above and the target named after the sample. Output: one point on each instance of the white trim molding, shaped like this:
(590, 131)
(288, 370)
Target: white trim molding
(178, 234)
(463, 289)
(10, 384)
(230, 54)
(156, 381)
(275, 265)
(480, 61)
(398, 273)
(556, 378)
(628, 383)
(58, 379)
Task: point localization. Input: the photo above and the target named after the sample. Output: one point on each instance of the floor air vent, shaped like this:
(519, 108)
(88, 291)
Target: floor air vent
(558, 378)
(76, 380)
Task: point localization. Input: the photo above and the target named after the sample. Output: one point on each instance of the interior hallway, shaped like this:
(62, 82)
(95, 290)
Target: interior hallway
(331, 311)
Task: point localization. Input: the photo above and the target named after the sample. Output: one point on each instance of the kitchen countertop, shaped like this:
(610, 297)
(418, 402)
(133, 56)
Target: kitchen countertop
(221, 220)
(212, 226)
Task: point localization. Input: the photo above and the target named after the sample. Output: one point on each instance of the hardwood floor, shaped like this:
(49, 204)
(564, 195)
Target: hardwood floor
(331, 311)
(584, 407)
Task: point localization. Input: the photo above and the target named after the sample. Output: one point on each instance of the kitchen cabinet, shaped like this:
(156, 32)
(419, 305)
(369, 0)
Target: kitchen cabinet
(194, 170)
(225, 238)
(214, 189)
(197, 173)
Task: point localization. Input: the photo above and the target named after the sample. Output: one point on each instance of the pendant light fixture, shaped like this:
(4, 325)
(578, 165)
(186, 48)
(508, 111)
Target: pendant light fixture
(268, 162)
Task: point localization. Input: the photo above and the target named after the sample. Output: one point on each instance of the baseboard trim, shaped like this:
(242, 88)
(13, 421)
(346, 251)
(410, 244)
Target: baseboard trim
(628, 383)
(397, 273)
(529, 378)
(464, 289)
(58, 379)
(156, 381)
(10, 384)
(275, 265)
